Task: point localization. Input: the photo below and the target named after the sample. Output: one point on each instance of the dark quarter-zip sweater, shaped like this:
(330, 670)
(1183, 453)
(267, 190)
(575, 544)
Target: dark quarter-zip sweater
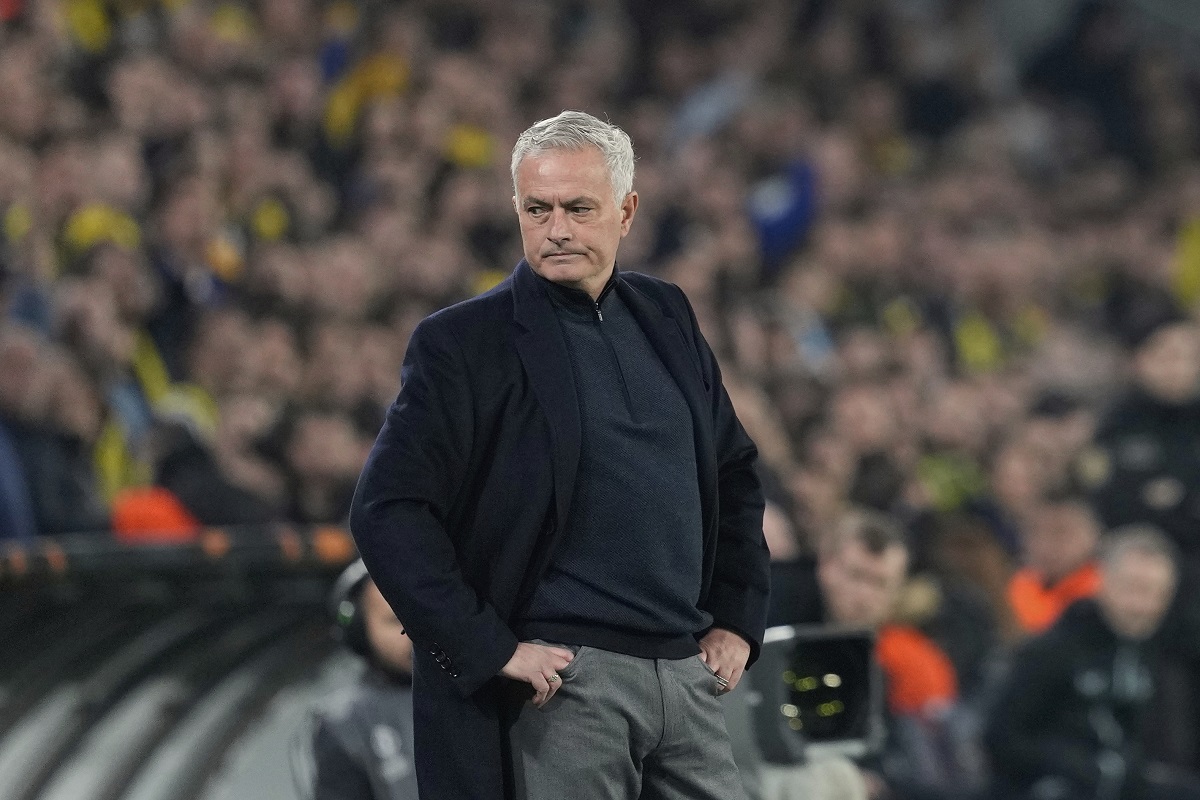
(626, 577)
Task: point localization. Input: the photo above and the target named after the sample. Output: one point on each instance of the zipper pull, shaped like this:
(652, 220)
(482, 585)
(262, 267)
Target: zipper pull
(599, 316)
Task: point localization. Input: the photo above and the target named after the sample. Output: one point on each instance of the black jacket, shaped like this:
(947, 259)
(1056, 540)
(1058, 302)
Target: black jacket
(1145, 468)
(62, 482)
(359, 745)
(467, 489)
(1073, 712)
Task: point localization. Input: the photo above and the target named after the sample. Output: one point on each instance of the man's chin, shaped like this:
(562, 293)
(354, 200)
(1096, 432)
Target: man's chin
(559, 270)
(561, 258)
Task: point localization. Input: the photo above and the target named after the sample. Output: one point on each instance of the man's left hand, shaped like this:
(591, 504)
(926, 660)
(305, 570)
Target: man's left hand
(726, 654)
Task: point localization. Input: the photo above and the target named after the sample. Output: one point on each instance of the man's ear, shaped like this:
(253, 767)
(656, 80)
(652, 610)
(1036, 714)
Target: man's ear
(628, 210)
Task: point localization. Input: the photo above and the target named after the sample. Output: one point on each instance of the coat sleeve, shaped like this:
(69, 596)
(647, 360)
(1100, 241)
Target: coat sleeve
(401, 508)
(739, 593)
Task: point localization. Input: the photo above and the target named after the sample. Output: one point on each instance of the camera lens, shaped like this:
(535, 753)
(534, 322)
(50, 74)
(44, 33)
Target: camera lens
(827, 689)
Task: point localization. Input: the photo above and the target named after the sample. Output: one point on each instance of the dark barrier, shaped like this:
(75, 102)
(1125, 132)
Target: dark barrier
(129, 670)
(211, 551)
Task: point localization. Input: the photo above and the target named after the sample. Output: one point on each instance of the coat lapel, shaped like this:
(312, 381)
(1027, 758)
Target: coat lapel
(543, 352)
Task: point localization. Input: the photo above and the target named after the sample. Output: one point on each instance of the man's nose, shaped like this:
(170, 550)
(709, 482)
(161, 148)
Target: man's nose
(560, 229)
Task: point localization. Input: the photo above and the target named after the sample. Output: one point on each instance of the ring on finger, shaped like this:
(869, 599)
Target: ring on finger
(721, 680)
(553, 678)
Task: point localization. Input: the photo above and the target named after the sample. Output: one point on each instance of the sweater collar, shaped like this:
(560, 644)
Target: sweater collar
(577, 302)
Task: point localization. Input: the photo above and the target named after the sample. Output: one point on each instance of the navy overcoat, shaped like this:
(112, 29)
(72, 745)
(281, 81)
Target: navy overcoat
(467, 489)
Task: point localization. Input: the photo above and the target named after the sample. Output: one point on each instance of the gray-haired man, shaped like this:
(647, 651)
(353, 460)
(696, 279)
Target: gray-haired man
(563, 508)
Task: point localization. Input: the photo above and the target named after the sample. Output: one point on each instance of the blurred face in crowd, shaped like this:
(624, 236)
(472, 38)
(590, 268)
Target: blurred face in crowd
(75, 406)
(1135, 592)
(324, 448)
(135, 289)
(955, 419)
(217, 358)
(1060, 538)
(1167, 365)
(91, 320)
(20, 367)
(862, 416)
(1017, 475)
(570, 223)
(859, 587)
(389, 642)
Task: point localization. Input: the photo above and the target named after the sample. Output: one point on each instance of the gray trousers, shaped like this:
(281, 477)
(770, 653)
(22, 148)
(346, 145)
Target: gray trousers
(623, 728)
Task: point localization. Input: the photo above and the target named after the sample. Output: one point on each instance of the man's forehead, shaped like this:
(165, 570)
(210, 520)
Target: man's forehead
(890, 556)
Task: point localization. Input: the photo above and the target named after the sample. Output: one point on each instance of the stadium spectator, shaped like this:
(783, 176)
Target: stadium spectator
(323, 454)
(20, 364)
(56, 452)
(1072, 719)
(1142, 468)
(1058, 543)
(860, 575)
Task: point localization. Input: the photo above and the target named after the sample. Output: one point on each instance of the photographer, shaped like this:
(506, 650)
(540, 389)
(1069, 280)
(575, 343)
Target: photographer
(856, 583)
(359, 744)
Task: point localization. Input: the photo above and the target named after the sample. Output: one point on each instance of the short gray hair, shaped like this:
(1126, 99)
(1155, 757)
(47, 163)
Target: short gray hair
(575, 130)
(1143, 539)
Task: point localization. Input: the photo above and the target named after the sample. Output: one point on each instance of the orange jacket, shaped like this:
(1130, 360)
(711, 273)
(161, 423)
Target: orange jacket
(918, 672)
(1036, 605)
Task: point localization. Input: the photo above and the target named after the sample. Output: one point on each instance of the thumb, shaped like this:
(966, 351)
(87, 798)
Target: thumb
(703, 655)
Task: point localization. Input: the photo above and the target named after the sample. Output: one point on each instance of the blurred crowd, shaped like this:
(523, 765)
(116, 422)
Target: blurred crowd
(946, 284)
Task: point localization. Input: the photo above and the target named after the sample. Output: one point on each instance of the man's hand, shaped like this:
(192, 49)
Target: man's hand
(726, 654)
(538, 665)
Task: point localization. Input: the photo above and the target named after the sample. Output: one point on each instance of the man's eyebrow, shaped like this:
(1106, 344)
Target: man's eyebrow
(530, 200)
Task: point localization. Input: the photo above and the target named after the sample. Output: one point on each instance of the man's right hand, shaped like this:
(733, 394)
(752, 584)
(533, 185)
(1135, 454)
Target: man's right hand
(538, 665)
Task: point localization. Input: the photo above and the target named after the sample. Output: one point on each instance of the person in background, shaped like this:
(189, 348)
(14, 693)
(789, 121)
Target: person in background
(1143, 466)
(1058, 543)
(862, 566)
(861, 571)
(56, 451)
(1072, 719)
(359, 745)
(21, 372)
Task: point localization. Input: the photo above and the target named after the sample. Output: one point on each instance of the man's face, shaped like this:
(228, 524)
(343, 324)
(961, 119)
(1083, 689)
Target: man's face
(1060, 538)
(860, 587)
(389, 642)
(570, 223)
(1168, 364)
(1135, 593)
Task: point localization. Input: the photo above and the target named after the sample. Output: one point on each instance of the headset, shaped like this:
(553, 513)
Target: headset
(345, 607)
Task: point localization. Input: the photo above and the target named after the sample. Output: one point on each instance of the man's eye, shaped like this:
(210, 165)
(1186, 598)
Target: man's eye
(535, 211)
(580, 209)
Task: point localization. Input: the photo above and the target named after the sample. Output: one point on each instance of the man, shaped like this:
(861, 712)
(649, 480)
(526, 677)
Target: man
(563, 508)
(1142, 466)
(856, 582)
(1058, 544)
(1070, 723)
(360, 746)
